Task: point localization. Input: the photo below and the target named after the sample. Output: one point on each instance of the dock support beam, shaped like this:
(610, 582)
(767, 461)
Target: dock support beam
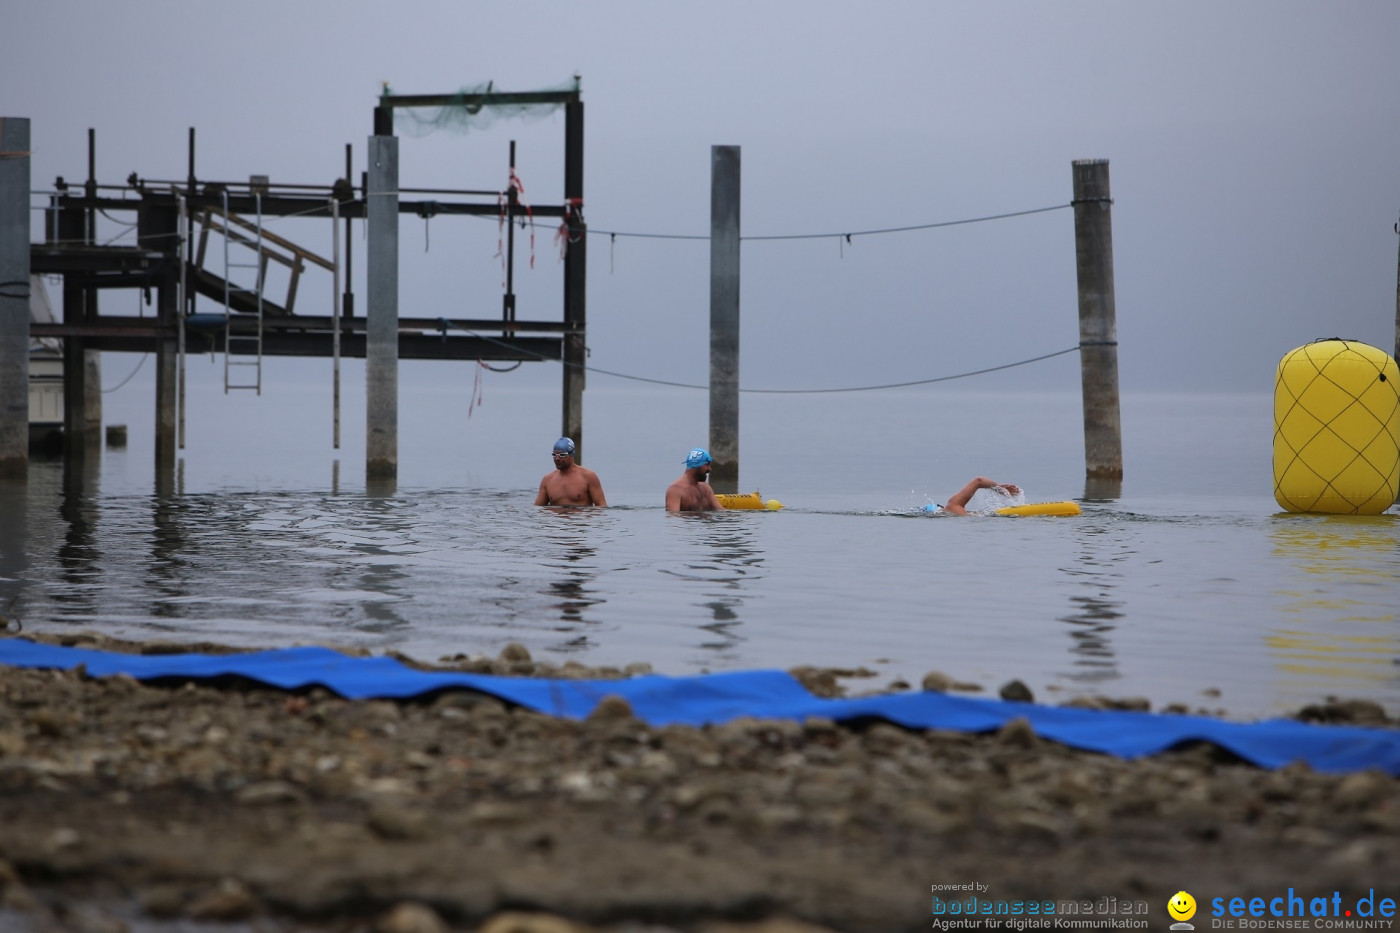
(14, 297)
(1098, 329)
(80, 376)
(382, 304)
(158, 227)
(724, 317)
(575, 272)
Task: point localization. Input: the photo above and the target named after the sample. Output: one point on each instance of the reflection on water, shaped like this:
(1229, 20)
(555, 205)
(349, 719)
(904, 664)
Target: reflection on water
(1095, 610)
(14, 546)
(572, 552)
(728, 565)
(168, 571)
(1346, 574)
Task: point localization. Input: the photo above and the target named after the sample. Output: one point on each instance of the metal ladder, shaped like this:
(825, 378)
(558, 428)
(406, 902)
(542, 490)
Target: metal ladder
(243, 343)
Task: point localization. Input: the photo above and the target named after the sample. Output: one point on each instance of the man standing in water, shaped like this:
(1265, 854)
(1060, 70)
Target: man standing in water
(692, 492)
(958, 504)
(569, 483)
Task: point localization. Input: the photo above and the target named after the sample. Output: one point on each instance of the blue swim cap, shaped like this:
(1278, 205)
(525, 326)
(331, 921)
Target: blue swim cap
(564, 446)
(698, 457)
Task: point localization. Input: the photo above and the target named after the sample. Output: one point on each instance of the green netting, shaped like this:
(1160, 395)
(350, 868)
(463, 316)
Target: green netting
(475, 108)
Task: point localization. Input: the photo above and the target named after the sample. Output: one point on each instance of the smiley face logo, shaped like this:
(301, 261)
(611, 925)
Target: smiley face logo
(1182, 906)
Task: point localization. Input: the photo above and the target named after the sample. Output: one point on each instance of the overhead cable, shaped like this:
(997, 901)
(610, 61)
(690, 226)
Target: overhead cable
(687, 385)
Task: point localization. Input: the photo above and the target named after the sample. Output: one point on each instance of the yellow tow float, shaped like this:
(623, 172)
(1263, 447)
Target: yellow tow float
(747, 500)
(1041, 508)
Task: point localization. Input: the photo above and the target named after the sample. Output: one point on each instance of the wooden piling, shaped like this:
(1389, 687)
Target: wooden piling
(1098, 329)
(724, 317)
(14, 297)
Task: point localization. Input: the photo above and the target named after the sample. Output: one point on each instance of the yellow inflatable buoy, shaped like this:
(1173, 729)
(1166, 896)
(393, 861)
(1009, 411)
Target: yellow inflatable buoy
(1041, 508)
(1337, 429)
(747, 500)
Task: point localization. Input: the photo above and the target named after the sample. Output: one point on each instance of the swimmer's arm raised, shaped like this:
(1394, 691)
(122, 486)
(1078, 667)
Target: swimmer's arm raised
(958, 503)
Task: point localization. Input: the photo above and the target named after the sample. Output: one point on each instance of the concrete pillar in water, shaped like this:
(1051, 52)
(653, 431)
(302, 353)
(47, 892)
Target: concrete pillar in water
(724, 317)
(382, 308)
(14, 297)
(575, 272)
(1098, 328)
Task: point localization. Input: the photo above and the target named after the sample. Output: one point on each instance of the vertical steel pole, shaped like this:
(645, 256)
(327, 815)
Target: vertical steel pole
(1098, 328)
(575, 279)
(92, 359)
(158, 228)
(335, 325)
(382, 312)
(14, 297)
(347, 308)
(72, 228)
(724, 317)
(184, 310)
(512, 199)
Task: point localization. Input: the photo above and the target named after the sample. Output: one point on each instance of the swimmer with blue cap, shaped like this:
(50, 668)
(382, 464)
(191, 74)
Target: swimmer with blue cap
(958, 504)
(692, 492)
(569, 483)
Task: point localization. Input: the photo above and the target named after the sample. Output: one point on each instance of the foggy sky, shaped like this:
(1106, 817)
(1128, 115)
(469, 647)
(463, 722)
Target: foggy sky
(1254, 151)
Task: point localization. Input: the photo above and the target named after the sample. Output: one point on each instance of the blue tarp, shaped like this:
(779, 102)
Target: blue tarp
(717, 698)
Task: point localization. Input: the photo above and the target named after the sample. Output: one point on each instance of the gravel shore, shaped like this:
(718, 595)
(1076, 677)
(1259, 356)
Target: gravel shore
(185, 807)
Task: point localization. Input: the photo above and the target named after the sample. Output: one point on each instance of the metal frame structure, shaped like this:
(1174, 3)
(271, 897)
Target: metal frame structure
(166, 213)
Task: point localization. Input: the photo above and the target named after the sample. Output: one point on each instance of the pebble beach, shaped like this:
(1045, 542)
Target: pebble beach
(129, 807)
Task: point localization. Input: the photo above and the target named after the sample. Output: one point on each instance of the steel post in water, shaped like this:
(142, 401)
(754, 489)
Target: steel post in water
(14, 297)
(75, 373)
(724, 317)
(92, 359)
(158, 227)
(1098, 328)
(382, 310)
(78, 309)
(335, 324)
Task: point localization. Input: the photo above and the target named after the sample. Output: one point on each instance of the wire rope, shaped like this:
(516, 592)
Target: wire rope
(130, 377)
(689, 385)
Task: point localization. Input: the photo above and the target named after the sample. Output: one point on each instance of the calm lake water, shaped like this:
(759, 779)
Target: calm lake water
(1191, 581)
